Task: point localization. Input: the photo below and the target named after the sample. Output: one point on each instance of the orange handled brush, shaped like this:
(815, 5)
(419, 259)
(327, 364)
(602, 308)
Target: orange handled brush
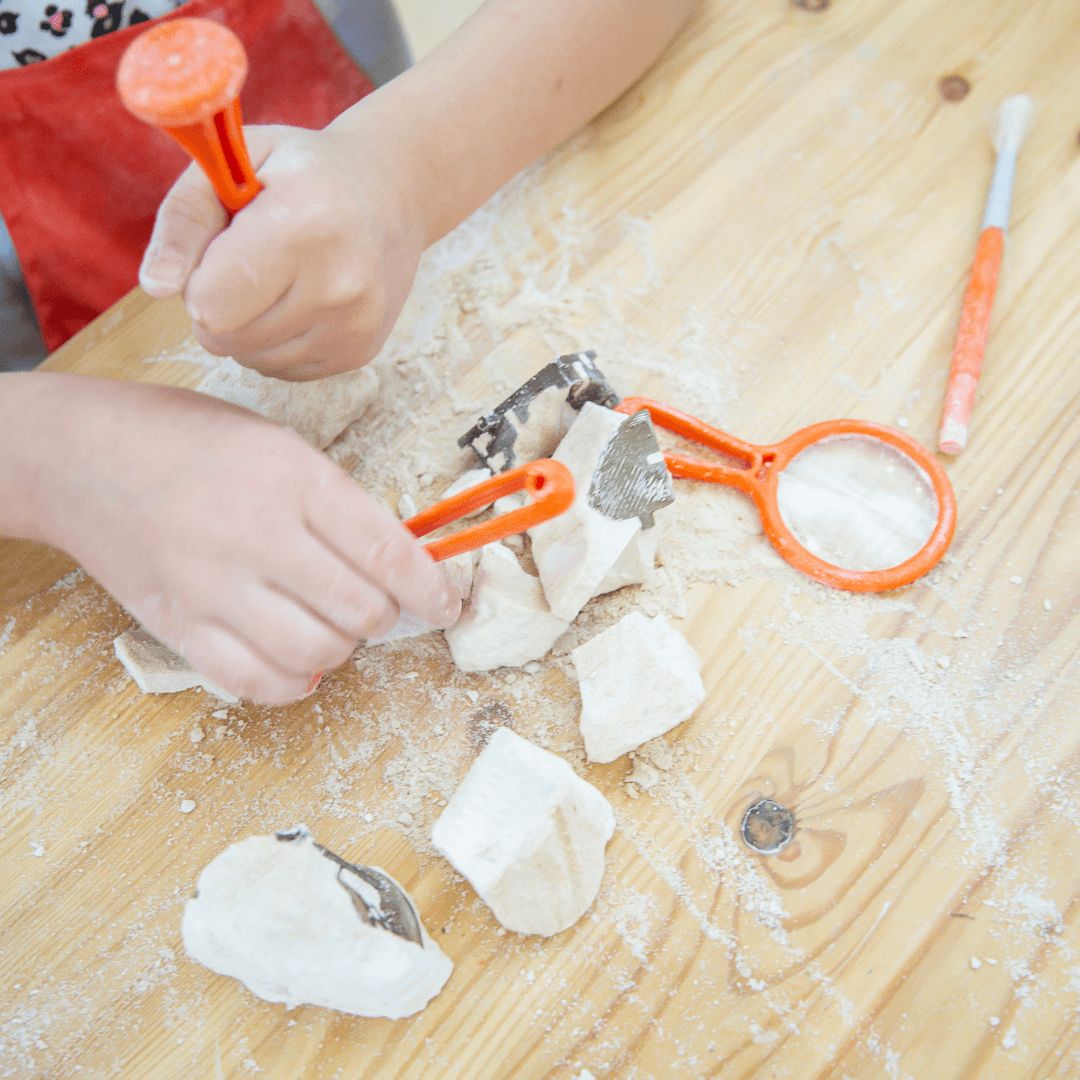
(1013, 118)
(185, 76)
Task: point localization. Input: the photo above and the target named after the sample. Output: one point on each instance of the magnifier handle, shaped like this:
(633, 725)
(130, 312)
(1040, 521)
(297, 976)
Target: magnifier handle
(753, 457)
(184, 76)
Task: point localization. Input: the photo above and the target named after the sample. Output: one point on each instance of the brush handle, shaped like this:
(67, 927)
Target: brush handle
(971, 342)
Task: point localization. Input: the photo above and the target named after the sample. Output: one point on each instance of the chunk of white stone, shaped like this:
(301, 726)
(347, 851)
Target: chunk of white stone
(156, 669)
(637, 562)
(638, 679)
(575, 551)
(295, 924)
(460, 570)
(319, 410)
(463, 483)
(529, 834)
(506, 622)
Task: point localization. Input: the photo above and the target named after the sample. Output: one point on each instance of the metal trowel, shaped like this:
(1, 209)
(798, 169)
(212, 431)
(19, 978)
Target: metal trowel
(531, 422)
(392, 911)
(631, 478)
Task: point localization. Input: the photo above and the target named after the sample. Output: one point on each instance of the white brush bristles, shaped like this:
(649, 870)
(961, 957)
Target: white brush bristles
(1013, 119)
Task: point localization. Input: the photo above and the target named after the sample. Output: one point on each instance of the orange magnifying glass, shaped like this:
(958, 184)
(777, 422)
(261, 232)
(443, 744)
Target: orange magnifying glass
(854, 504)
(184, 76)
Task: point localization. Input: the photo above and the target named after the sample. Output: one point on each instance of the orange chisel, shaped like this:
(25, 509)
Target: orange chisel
(184, 76)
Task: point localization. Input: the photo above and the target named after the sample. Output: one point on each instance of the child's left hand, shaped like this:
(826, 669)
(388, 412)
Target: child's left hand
(308, 279)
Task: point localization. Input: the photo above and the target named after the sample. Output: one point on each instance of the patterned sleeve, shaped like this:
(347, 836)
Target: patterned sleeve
(34, 30)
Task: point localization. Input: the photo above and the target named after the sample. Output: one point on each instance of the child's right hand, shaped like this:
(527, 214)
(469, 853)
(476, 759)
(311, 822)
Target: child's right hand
(230, 538)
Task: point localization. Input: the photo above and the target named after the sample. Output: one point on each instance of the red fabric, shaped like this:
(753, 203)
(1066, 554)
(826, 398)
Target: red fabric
(81, 178)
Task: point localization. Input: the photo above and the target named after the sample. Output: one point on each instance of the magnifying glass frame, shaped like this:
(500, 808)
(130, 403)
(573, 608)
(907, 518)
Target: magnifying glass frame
(759, 474)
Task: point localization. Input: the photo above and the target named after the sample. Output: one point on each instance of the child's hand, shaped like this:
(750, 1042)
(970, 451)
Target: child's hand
(309, 278)
(229, 537)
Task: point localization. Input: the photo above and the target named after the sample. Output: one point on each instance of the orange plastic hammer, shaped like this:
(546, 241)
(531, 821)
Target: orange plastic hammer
(185, 76)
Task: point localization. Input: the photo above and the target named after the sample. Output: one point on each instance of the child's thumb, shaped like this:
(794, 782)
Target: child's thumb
(189, 217)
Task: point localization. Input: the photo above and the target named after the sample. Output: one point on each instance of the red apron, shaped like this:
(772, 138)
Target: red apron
(81, 178)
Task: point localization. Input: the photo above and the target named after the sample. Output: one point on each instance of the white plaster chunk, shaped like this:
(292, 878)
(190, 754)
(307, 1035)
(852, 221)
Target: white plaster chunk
(319, 410)
(514, 501)
(638, 679)
(529, 834)
(293, 925)
(636, 563)
(575, 551)
(463, 483)
(506, 622)
(156, 669)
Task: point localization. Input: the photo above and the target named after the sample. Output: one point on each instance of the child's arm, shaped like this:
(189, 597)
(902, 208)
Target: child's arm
(309, 279)
(229, 537)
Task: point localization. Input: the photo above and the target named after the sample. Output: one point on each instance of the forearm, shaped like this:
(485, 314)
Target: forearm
(513, 82)
(28, 455)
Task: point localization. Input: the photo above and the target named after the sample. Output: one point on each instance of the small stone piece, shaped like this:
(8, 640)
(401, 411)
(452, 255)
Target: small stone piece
(638, 679)
(636, 563)
(186, 806)
(976, 963)
(156, 669)
(529, 834)
(319, 410)
(644, 775)
(196, 734)
(296, 924)
(575, 551)
(507, 622)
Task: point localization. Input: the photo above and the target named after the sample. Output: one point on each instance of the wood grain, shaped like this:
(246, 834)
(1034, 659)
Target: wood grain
(773, 228)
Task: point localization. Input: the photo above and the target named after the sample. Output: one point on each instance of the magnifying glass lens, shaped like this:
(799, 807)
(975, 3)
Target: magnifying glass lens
(857, 502)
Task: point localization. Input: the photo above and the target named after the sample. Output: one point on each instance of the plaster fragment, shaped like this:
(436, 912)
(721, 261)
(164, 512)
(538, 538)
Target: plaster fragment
(638, 679)
(529, 834)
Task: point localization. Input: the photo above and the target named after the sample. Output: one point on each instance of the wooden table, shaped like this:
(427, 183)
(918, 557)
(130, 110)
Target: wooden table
(773, 228)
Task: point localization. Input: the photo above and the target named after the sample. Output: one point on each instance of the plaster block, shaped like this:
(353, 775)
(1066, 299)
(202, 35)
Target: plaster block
(575, 551)
(507, 621)
(638, 679)
(529, 834)
(294, 923)
(156, 669)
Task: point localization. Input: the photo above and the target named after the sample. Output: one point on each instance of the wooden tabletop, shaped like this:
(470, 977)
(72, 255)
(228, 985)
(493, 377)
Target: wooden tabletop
(771, 229)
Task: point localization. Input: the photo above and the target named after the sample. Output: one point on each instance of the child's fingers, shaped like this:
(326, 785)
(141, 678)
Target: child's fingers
(220, 654)
(286, 633)
(334, 591)
(243, 273)
(189, 217)
(365, 535)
